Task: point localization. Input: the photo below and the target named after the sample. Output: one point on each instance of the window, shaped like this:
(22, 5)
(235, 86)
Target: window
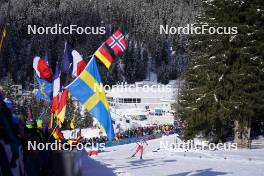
(128, 100)
(120, 100)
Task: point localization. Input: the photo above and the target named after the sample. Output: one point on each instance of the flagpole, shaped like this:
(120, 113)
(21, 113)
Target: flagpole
(4, 31)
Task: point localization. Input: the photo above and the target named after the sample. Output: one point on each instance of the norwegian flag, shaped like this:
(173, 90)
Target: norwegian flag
(117, 43)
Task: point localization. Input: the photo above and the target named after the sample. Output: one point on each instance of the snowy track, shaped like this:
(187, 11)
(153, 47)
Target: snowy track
(180, 163)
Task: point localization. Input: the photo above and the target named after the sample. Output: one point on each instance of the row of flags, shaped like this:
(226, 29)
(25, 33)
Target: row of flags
(86, 85)
(113, 47)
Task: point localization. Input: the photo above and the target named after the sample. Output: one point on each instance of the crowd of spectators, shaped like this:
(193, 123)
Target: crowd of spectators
(134, 133)
(16, 159)
(15, 132)
(144, 131)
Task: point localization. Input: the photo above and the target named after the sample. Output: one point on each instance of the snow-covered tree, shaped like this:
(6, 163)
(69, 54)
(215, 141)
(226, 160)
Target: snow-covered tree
(224, 82)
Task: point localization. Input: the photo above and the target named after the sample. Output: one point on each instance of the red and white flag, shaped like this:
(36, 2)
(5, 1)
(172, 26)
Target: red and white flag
(78, 63)
(42, 68)
(117, 43)
(56, 91)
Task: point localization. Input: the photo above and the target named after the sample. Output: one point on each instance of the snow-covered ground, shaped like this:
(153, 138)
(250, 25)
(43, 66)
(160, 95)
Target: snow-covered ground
(116, 161)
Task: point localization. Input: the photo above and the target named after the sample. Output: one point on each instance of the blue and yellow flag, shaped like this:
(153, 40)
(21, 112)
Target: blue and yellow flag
(86, 88)
(45, 90)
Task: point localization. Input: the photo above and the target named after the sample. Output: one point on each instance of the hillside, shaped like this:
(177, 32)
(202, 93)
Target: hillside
(167, 54)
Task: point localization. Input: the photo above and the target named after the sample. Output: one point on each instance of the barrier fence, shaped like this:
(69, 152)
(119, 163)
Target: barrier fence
(131, 140)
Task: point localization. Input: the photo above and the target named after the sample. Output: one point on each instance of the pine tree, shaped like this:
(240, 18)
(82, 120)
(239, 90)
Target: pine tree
(224, 82)
(87, 119)
(40, 109)
(142, 27)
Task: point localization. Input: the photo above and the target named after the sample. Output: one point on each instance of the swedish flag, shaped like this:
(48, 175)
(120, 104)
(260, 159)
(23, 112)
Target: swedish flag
(86, 88)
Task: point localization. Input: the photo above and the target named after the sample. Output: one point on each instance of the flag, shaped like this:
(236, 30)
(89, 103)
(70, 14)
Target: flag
(113, 47)
(78, 64)
(117, 43)
(79, 135)
(72, 61)
(56, 90)
(105, 55)
(3, 37)
(45, 90)
(73, 134)
(57, 134)
(86, 88)
(67, 59)
(42, 68)
(63, 99)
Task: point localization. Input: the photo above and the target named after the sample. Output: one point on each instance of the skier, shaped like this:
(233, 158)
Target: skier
(140, 147)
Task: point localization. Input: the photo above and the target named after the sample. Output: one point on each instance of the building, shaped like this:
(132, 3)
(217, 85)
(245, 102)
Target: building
(143, 95)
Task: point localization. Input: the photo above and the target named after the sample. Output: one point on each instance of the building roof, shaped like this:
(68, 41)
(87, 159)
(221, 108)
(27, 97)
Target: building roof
(143, 90)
